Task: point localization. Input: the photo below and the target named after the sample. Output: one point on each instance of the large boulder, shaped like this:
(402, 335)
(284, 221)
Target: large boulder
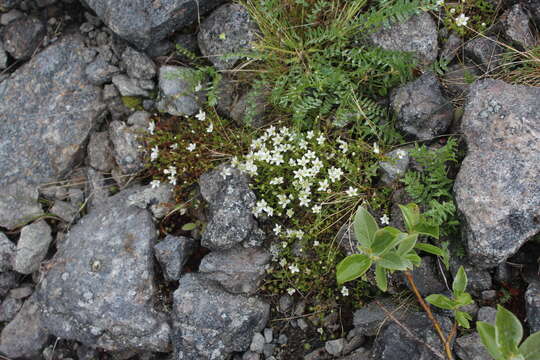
(100, 289)
(498, 186)
(47, 112)
(210, 323)
(144, 22)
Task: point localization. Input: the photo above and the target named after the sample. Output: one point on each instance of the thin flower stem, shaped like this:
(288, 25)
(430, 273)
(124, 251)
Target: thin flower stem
(438, 329)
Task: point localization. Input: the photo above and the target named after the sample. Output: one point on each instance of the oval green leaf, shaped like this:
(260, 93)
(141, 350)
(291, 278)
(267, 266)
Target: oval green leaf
(393, 261)
(460, 281)
(487, 335)
(530, 349)
(411, 215)
(441, 301)
(352, 267)
(508, 331)
(364, 226)
(380, 278)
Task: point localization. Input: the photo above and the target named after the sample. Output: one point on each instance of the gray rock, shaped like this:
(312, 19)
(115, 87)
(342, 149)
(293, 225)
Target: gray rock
(268, 350)
(459, 77)
(101, 289)
(186, 42)
(396, 166)
(417, 35)
(176, 85)
(7, 253)
(100, 72)
(268, 335)
(249, 355)
(358, 354)
(32, 247)
(230, 202)
(427, 278)
(250, 109)
(221, 324)
(285, 303)
(283, 339)
(140, 119)
(485, 52)
(65, 210)
(239, 270)
(50, 109)
(25, 336)
(144, 22)
(370, 319)
(126, 143)
(534, 7)
(317, 354)
(8, 281)
(487, 314)
(451, 47)
(257, 343)
(501, 124)
(470, 347)
(422, 110)
(353, 342)
(335, 347)
(99, 151)
(478, 280)
(128, 86)
(138, 65)
(9, 308)
(395, 343)
(172, 253)
(23, 36)
(489, 295)
(10, 16)
(532, 305)
(3, 57)
(18, 203)
(227, 97)
(160, 200)
(228, 30)
(96, 188)
(517, 28)
(8, 4)
(21, 292)
(160, 48)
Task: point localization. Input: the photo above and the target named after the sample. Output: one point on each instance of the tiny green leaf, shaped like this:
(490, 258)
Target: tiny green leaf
(364, 226)
(463, 299)
(432, 249)
(411, 215)
(508, 331)
(530, 348)
(487, 335)
(407, 244)
(463, 319)
(441, 301)
(414, 258)
(383, 241)
(189, 226)
(393, 261)
(460, 281)
(352, 267)
(380, 278)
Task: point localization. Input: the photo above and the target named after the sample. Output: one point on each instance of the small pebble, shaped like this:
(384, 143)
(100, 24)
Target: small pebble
(268, 335)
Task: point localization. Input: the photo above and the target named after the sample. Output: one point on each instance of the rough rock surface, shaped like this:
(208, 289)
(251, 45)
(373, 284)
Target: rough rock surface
(100, 152)
(100, 71)
(393, 343)
(100, 288)
(517, 28)
(470, 347)
(501, 124)
(369, 319)
(532, 305)
(423, 112)
(128, 86)
(25, 335)
(226, 31)
(18, 203)
(417, 35)
(143, 22)
(427, 277)
(459, 77)
(3, 57)
(32, 247)
(396, 166)
(47, 112)
(239, 270)
(210, 323)
(250, 109)
(485, 52)
(172, 253)
(176, 85)
(126, 143)
(138, 65)
(7, 253)
(230, 201)
(158, 200)
(23, 36)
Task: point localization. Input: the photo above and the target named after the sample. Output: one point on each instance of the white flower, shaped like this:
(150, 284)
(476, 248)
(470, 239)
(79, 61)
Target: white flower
(198, 87)
(210, 128)
(401, 154)
(344, 291)
(226, 171)
(191, 147)
(290, 212)
(461, 20)
(323, 185)
(316, 209)
(452, 10)
(154, 154)
(316, 243)
(283, 200)
(343, 146)
(376, 148)
(155, 183)
(151, 127)
(483, 24)
(320, 330)
(291, 291)
(320, 139)
(277, 229)
(352, 191)
(335, 174)
(302, 144)
(201, 116)
(440, 2)
(276, 181)
(174, 146)
(310, 134)
(284, 244)
(294, 269)
(171, 170)
(385, 220)
(283, 262)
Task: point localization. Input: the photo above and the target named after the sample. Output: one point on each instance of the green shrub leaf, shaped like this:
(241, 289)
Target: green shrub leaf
(530, 349)
(432, 249)
(426, 229)
(508, 331)
(352, 267)
(189, 226)
(463, 299)
(380, 278)
(441, 301)
(407, 244)
(414, 258)
(393, 261)
(463, 319)
(460, 281)
(487, 335)
(365, 227)
(411, 215)
(383, 241)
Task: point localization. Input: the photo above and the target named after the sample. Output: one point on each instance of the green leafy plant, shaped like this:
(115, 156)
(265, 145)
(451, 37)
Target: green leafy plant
(459, 299)
(503, 340)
